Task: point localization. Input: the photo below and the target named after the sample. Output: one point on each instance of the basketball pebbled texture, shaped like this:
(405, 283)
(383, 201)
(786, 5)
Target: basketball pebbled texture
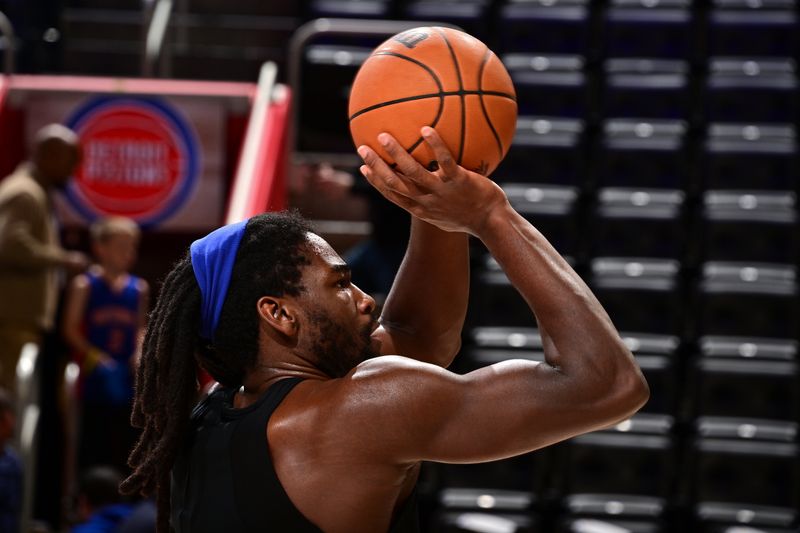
(442, 78)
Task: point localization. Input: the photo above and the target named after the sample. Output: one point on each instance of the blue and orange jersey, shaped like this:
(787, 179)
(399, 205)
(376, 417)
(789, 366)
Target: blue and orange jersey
(111, 323)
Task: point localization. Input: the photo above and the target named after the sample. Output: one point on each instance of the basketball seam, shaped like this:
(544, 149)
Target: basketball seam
(435, 79)
(486, 57)
(460, 88)
(430, 95)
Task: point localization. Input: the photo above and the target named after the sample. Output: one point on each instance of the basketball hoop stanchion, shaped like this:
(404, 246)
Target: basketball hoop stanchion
(324, 26)
(260, 181)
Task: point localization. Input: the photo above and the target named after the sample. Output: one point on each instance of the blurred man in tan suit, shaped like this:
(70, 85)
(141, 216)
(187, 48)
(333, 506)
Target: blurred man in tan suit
(30, 253)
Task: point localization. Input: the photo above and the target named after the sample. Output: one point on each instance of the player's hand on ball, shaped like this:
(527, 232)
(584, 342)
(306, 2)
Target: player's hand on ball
(451, 198)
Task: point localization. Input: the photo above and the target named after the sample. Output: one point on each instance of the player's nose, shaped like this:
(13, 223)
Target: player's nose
(365, 302)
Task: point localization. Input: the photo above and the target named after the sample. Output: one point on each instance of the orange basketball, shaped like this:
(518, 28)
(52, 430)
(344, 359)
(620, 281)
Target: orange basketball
(436, 77)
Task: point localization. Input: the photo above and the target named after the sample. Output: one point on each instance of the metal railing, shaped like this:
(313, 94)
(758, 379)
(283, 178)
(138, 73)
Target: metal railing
(157, 20)
(28, 412)
(70, 413)
(256, 184)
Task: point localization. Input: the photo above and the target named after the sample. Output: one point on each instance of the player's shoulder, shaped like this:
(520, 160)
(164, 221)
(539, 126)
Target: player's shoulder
(390, 380)
(392, 367)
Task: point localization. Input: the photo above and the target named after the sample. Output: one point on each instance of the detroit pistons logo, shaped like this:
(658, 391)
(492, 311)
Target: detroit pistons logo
(140, 160)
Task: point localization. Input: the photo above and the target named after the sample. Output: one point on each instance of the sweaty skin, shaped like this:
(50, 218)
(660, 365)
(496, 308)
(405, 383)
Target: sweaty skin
(347, 450)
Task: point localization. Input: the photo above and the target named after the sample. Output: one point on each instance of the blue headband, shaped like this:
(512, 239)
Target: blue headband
(212, 261)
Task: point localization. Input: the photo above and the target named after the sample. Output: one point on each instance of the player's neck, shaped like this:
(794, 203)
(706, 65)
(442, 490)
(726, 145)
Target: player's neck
(257, 382)
(281, 363)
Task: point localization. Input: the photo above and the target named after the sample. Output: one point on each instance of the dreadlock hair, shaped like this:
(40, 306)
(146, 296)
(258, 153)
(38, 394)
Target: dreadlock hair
(269, 262)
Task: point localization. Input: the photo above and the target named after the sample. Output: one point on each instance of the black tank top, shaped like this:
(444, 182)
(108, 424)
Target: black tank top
(224, 480)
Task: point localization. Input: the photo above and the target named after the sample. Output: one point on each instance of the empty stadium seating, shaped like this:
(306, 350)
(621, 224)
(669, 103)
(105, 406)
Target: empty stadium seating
(656, 148)
(545, 151)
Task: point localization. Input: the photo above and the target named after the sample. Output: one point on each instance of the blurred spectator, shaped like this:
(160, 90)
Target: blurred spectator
(104, 319)
(100, 507)
(141, 520)
(30, 253)
(10, 467)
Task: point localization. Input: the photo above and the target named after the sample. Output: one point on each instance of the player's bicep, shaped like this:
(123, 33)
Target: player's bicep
(492, 413)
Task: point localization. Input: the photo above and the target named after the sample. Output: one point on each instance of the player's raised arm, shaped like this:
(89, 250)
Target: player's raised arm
(589, 379)
(425, 310)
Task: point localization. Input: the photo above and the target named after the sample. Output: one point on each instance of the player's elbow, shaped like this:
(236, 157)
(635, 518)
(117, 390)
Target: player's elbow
(629, 392)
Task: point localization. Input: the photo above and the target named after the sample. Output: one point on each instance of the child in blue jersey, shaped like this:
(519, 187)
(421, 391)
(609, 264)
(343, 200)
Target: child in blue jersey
(104, 321)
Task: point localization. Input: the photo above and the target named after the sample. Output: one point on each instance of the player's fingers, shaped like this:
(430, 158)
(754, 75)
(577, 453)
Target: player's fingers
(385, 176)
(447, 165)
(381, 175)
(406, 164)
(391, 194)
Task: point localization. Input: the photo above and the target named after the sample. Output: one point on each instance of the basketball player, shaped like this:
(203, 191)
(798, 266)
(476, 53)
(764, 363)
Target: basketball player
(325, 414)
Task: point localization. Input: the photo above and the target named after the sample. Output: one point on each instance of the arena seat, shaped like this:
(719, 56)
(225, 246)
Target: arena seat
(750, 157)
(751, 90)
(549, 85)
(545, 150)
(765, 220)
(639, 223)
(767, 28)
(746, 377)
(747, 299)
(642, 153)
(562, 27)
(653, 29)
(744, 472)
(642, 294)
(625, 471)
(655, 88)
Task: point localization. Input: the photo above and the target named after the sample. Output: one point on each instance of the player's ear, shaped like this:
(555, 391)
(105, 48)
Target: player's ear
(278, 313)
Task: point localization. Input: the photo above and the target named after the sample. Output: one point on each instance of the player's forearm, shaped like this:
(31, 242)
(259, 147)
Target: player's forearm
(428, 301)
(583, 342)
